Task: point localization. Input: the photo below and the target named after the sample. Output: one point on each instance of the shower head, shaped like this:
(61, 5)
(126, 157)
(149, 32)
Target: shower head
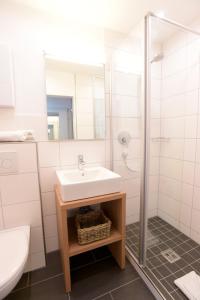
(157, 58)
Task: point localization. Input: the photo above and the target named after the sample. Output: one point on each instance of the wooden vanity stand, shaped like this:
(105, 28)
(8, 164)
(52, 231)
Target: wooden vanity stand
(114, 207)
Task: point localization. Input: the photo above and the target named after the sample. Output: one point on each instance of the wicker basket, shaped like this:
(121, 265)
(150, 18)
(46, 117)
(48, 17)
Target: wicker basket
(92, 226)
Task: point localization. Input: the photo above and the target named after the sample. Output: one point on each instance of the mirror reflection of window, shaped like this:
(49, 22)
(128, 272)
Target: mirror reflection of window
(60, 117)
(75, 100)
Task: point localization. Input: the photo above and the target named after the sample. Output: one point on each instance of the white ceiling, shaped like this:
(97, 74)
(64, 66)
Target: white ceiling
(119, 15)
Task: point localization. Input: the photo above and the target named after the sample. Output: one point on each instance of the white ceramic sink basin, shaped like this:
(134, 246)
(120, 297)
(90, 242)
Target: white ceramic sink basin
(95, 181)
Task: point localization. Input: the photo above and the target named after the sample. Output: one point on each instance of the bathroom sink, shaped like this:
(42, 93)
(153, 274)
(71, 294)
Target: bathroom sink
(76, 184)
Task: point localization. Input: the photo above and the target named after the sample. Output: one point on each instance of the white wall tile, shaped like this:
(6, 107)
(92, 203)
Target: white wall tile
(197, 174)
(131, 125)
(26, 154)
(131, 187)
(169, 206)
(132, 206)
(198, 150)
(192, 78)
(125, 106)
(177, 102)
(22, 214)
(37, 261)
(196, 198)
(195, 236)
(172, 149)
(187, 194)
(36, 241)
(1, 218)
(155, 108)
(19, 188)
(48, 153)
(125, 84)
(173, 127)
(188, 172)
(191, 103)
(93, 151)
(195, 224)
(190, 149)
(155, 127)
(170, 187)
(124, 172)
(171, 168)
(48, 179)
(185, 214)
(184, 229)
(50, 226)
(52, 244)
(191, 127)
(48, 203)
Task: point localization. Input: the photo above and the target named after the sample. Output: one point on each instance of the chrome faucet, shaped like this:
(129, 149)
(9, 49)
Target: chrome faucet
(81, 163)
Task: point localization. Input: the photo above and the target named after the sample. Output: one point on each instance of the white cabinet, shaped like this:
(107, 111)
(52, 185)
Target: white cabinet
(7, 98)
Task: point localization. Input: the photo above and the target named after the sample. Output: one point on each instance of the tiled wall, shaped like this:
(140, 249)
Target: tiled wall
(126, 79)
(126, 116)
(20, 199)
(179, 186)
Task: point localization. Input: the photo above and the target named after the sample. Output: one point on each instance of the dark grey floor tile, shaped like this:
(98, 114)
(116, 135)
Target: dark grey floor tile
(168, 282)
(52, 289)
(195, 253)
(23, 282)
(172, 267)
(136, 290)
(155, 250)
(52, 268)
(178, 295)
(99, 279)
(163, 271)
(83, 259)
(187, 269)
(196, 265)
(181, 263)
(179, 274)
(155, 261)
(188, 258)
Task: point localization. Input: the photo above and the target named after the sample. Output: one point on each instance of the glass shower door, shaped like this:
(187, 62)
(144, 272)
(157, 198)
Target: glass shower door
(169, 245)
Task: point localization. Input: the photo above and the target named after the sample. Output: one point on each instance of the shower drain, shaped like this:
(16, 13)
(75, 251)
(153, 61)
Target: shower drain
(170, 255)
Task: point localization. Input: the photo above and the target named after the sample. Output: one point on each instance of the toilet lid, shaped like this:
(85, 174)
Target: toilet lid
(14, 247)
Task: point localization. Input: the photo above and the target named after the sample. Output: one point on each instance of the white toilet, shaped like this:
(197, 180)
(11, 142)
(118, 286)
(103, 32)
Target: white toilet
(14, 250)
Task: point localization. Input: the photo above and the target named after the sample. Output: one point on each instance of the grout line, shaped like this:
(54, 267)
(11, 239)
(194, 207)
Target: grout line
(28, 285)
(164, 263)
(111, 296)
(122, 285)
(46, 279)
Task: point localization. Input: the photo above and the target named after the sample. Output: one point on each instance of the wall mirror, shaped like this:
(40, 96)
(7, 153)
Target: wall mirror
(75, 98)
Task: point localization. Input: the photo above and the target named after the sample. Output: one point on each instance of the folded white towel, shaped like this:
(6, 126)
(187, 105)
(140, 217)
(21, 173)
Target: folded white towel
(16, 136)
(189, 284)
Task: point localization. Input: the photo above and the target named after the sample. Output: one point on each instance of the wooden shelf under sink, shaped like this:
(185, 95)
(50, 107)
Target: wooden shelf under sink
(75, 248)
(114, 207)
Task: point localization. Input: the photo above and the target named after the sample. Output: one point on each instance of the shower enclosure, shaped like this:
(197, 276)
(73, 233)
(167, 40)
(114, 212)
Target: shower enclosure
(164, 243)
